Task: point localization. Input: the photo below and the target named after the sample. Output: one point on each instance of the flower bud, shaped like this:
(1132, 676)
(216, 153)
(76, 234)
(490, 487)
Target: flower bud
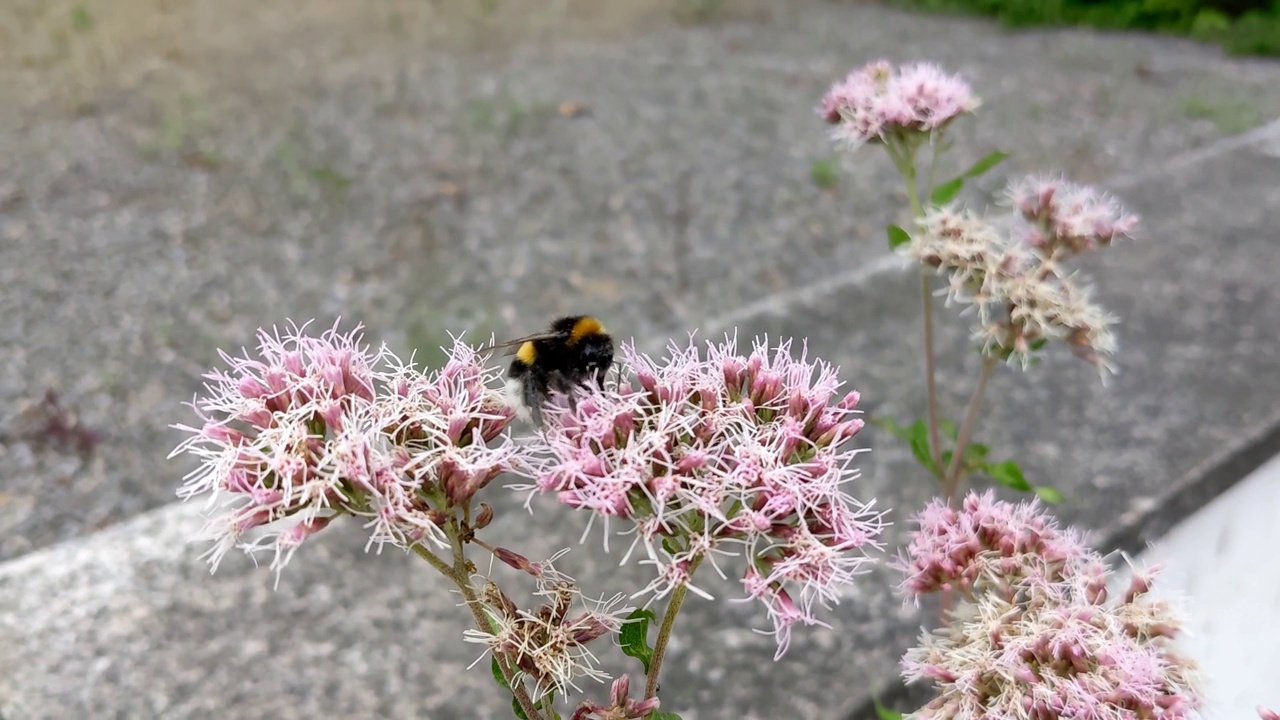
(251, 387)
(735, 371)
(514, 559)
(483, 517)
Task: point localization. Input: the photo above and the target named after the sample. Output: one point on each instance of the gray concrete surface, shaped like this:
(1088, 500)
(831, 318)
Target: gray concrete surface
(330, 162)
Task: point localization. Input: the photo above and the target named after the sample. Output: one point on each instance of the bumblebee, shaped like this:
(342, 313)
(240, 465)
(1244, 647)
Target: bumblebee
(573, 351)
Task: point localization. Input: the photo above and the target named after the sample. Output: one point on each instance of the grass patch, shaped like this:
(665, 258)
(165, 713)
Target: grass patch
(1231, 118)
(697, 12)
(183, 131)
(504, 116)
(825, 173)
(1242, 27)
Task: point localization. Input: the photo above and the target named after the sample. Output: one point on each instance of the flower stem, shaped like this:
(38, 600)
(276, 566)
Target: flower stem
(664, 633)
(930, 372)
(954, 474)
(435, 561)
(932, 178)
(482, 621)
(907, 167)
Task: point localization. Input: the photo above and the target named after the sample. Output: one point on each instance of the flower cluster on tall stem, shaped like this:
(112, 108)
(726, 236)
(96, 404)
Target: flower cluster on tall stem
(315, 427)
(880, 104)
(1009, 268)
(1038, 634)
(903, 110)
(700, 456)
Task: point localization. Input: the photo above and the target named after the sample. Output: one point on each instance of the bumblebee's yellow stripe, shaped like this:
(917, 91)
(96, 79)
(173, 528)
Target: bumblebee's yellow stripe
(526, 354)
(585, 327)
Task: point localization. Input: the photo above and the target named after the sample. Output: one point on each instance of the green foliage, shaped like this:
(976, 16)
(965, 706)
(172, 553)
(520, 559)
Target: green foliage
(81, 20)
(825, 173)
(984, 165)
(917, 436)
(634, 636)
(496, 669)
(697, 12)
(1010, 475)
(1243, 27)
(898, 237)
(497, 673)
(1230, 117)
(1006, 473)
(947, 191)
(884, 713)
(1049, 494)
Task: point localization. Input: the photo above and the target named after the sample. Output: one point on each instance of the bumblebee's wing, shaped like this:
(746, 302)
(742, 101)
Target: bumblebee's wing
(520, 341)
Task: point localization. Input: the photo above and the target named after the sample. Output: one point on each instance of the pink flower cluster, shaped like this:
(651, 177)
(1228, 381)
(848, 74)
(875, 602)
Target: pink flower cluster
(315, 427)
(990, 546)
(1038, 635)
(1063, 217)
(1012, 271)
(697, 455)
(875, 103)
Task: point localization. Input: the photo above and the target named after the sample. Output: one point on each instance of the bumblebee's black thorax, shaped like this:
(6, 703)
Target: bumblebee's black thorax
(576, 350)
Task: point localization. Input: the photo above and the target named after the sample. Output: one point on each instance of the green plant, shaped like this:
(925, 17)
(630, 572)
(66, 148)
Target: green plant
(825, 173)
(1243, 27)
(1231, 117)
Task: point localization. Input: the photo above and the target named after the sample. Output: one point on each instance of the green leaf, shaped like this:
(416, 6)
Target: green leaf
(975, 453)
(1037, 344)
(634, 636)
(948, 428)
(919, 438)
(519, 711)
(947, 191)
(497, 674)
(825, 174)
(1009, 475)
(885, 713)
(670, 545)
(664, 716)
(81, 20)
(890, 426)
(982, 166)
(898, 237)
(1049, 494)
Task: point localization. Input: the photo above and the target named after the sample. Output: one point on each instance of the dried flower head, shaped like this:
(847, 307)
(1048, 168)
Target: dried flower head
(1022, 297)
(1063, 217)
(875, 103)
(549, 645)
(313, 427)
(1037, 635)
(702, 456)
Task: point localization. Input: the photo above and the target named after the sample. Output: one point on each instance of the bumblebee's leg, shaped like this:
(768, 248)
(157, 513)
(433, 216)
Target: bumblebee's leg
(535, 393)
(560, 383)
